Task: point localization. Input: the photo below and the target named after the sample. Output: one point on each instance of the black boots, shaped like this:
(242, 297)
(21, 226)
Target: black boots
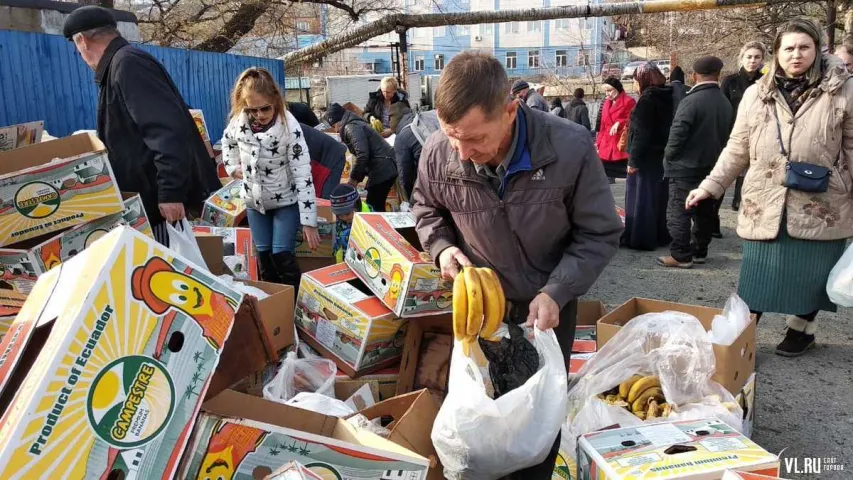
(799, 337)
(287, 268)
(267, 266)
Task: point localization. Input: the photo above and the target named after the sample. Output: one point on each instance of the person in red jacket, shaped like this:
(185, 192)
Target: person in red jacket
(613, 118)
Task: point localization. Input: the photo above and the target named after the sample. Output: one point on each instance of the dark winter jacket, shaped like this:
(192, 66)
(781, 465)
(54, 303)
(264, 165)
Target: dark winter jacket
(734, 87)
(374, 157)
(536, 101)
(327, 160)
(303, 114)
(698, 134)
(648, 130)
(679, 91)
(153, 143)
(376, 103)
(408, 151)
(551, 228)
(578, 112)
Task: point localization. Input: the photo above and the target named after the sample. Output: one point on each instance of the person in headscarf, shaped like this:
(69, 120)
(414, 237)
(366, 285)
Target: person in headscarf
(614, 116)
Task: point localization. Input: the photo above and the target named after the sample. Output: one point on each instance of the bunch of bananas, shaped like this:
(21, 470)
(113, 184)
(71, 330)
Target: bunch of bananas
(640, 395)
(479, 306)
(376, 124)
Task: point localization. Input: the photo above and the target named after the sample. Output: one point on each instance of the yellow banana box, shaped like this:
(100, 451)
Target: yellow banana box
(226, 207)
(135, 214)
(382, 251)
(694, 449)
(105, 367)
(242, 437)
(54, 185)
(746, 399)
(336, 316)
(325, 227)
(565, 468)
(293, 471)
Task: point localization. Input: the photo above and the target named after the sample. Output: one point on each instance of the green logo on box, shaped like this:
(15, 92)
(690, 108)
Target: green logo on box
(37, 200)
(372, 262)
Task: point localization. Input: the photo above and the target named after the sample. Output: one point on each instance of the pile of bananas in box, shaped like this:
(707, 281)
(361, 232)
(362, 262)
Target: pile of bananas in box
(479, 306)
(640, 395)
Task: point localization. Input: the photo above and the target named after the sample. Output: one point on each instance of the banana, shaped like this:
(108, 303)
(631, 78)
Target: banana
(460, 308)
(625, 386)
(641, 402)
(493, 300)
(640, 386)
(466, 346)
(641, 415)
(654, 410)
(475, 301)
(666, 409)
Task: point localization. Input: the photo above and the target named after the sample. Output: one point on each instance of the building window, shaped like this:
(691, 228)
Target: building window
(463, 30)
(562, 58)
(562, 24)
(533, 59)
(583, 58)
(534, 27)
(512, 27)
(439, 62)
(420, 32)
(438, 31)
(485, 29)
(303, 26)
(511, 61)
(586, 23)
(419, 64)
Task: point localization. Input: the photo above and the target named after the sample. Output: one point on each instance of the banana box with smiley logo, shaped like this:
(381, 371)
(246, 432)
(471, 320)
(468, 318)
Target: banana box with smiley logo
(696, 449)
(226, 207)
(382, 252)
(26, 264)
(50, 186)
(135, 215)
(104, 369)
(243, 437)
(337, 317)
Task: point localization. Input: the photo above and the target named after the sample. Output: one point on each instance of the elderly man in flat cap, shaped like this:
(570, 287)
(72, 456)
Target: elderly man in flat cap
(154, 146)
(699, 132)
(522, 91)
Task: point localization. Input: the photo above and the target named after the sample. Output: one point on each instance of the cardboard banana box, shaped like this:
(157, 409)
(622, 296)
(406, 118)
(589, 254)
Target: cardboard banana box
(325, 227)
(226, 207)
(345, 324)
(383, 251)
(238, 250)
(694, 449)
(54, 185)
(104, 369)
(135, 214)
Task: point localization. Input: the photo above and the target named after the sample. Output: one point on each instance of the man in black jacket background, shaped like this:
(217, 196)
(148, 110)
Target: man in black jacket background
(578, 112)
(153, 144)
(698, 135)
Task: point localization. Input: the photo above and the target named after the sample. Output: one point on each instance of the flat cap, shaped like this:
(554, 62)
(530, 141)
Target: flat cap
(87, 18)
(708, 65)
(519, 85)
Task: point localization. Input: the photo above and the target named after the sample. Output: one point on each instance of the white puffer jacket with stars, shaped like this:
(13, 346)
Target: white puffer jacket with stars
(275, 164)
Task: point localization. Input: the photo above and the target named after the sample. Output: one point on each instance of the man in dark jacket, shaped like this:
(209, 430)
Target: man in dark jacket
(679, 89)
(578, 111)
(522, 91)
(517, 190)
(408, 145)
(698, 135)
(374, 157)
(328, 157)
(154, 146)
(303, 114)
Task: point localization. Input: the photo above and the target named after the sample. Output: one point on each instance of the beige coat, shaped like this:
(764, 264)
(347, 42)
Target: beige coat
(822, 133)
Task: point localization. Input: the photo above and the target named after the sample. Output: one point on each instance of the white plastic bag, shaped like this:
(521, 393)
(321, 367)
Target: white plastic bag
(296, 375)
(320, 403)
(373, 426)
(182, 240)
(839, 285)
(726, 328)
(480, 438)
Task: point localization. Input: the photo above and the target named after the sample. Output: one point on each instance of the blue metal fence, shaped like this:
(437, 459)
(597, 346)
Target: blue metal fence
(43, 78)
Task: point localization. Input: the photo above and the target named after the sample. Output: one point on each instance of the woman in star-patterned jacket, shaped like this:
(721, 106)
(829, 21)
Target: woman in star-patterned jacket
(264, 146)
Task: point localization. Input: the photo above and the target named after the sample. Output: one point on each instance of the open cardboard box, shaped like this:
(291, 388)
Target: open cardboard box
(226, 207)
(109, 364)
(43, 195)
(419, 331)
(382, 384)
(412, 416)
(242, 436)
(734, 363)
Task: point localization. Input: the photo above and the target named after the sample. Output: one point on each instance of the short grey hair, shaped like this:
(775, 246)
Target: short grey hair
(98, 32)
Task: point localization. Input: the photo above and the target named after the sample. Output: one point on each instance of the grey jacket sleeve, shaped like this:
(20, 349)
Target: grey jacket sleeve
(680, 131)
(584, 114)
(596, 228)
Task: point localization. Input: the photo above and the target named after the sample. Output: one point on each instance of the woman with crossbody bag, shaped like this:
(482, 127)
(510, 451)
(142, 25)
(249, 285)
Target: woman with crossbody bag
(794, 134)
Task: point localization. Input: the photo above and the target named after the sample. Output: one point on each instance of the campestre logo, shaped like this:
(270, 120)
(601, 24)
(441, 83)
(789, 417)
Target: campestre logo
(372, 262)
(37, 200)
(131, 401)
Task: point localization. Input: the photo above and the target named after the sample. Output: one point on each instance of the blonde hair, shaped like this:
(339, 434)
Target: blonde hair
(753, 46)
(260, 81)
(389, 82)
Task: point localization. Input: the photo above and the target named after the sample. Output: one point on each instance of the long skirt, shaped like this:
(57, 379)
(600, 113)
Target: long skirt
(646, 196)
(788, 275)
(616, 169)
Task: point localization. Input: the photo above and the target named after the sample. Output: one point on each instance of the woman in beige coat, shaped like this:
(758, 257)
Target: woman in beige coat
(797, 119)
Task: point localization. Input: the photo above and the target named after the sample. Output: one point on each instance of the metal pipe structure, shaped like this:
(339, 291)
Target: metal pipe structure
(392, 22)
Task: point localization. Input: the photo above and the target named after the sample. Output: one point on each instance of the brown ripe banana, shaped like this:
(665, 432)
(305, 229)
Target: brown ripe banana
(460, 308)
(641, 415)
(493, 301)
(654, 410)
(640, 386)
(625, 386)
(641, 402)
(475, 301)
(666, 409)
